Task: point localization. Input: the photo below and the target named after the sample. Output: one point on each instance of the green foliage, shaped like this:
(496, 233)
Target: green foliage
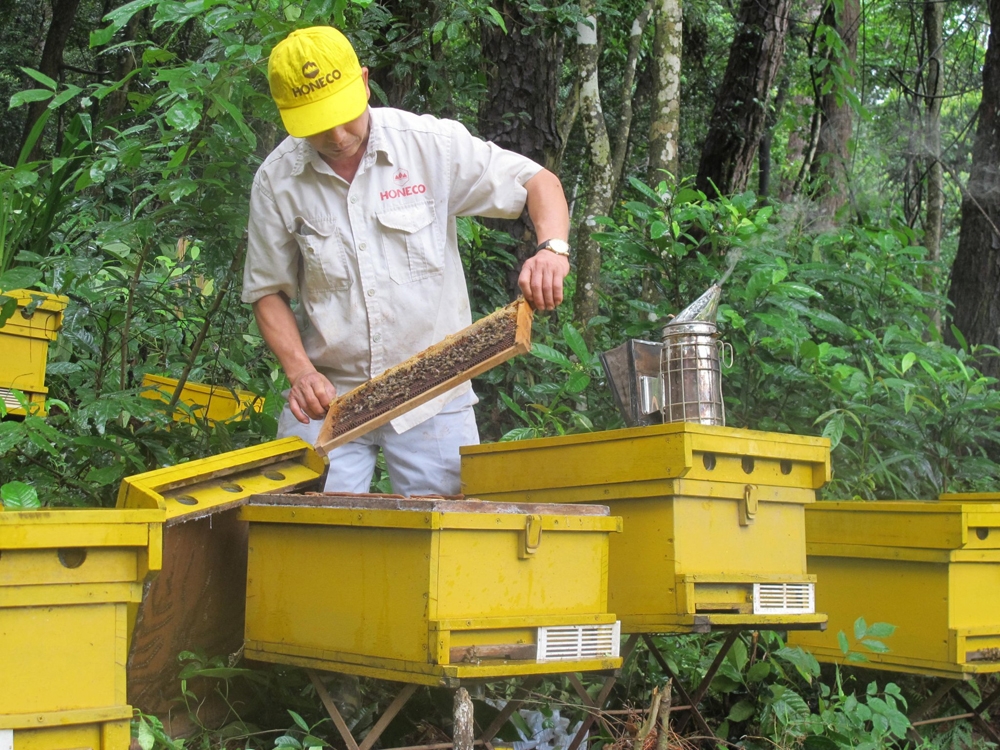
(830, 333)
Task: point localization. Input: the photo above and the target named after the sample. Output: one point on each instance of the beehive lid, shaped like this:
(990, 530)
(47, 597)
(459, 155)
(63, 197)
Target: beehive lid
(395, 511)
(644, 459)
(57, 528)
(49, 303)
(903, 529)
(216, 391)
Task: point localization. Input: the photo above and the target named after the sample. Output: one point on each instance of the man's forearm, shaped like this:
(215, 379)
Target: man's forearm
(281, 333)
(547, 206)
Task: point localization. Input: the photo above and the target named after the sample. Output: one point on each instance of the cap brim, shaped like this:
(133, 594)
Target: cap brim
(309, 119)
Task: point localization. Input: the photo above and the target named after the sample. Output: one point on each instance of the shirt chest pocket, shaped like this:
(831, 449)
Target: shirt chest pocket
(324, 259)
(411, 250)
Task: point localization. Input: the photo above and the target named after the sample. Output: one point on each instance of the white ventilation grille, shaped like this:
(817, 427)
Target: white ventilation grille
(569, 642)
(784, 599)
(11, 403)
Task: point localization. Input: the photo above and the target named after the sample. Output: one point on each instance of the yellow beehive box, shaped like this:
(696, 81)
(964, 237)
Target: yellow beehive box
(66, 577)
(713, 517)
(929, 568)
(24, 341)
(197, 600)
(213, 402)
(427, 590)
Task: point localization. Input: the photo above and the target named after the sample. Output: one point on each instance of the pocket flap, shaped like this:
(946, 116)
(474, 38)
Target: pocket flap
(305, 228)
(408, 218)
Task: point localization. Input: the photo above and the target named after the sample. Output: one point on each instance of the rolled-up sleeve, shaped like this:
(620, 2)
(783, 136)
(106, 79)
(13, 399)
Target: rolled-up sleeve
(272, 263)
(486, 179)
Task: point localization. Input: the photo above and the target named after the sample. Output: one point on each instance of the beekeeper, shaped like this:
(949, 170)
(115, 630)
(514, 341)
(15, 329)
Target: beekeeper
(353, 215)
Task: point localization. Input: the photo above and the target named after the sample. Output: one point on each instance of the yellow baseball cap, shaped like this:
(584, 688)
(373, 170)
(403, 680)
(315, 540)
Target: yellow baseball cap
(316, 81)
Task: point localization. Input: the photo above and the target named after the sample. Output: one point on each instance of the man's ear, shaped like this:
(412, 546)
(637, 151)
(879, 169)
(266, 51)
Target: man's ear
(364, 77)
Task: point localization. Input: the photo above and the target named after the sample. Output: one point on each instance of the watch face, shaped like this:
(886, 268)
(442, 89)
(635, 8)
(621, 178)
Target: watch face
(559, 247)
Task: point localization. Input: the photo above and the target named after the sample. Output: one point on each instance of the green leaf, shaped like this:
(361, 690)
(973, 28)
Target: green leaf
(908, 359)
(184, 115)
(845, 647)
(497, 18)
(875, 646)
(881, 629)
(817, 742)
(549, 355)
(31, 95)
(575, 342)
(741, 711)
(758, 672)
(578, 382)
(298, 720)
(860, 628)
(41, 78)
(146, 736)
(105, 475)
(19, 496)
(118, 18)
(19, 278)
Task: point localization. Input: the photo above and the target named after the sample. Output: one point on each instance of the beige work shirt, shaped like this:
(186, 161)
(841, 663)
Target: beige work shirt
(374, 263)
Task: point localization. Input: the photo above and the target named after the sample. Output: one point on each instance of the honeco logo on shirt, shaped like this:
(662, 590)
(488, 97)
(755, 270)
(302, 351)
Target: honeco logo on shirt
(402, 176)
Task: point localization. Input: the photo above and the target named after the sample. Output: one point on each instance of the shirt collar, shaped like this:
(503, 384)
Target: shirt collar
(377, 144)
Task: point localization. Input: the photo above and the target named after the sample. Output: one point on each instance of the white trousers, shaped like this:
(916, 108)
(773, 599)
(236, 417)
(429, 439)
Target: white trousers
(424, 460)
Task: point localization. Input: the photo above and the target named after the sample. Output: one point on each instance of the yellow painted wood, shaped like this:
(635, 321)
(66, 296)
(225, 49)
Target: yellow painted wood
(95, 716)
(215, 402)
(420, 674)
(110, 735)
(66, 577)
(717, 508)
(198, 488)
(929, 568)
(389, 592)
(24, 341)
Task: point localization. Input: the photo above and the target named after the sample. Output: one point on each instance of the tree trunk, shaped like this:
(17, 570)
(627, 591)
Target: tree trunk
(665, 125)
(833, 148)
(975, 274)
(933, 88)
(605, 162)
(740, 113)
(588, 263)
(519, 110)
(63, 15)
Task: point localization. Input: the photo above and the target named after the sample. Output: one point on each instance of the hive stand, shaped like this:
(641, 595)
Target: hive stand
(464, 734)
(973, 713)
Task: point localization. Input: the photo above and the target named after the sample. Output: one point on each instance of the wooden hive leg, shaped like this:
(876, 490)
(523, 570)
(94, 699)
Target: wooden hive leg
(977, 712)
(464, 736)
(508, 710)
(384, 720)
(917, 715)
(692, 706)
(602, 697)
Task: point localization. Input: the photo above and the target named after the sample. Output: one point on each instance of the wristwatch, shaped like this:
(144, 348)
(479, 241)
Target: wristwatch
(559, 247)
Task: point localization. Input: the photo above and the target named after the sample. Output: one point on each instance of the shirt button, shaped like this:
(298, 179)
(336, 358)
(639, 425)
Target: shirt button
(371, 292)
(354, 199)
(363, 246)
(377, 337)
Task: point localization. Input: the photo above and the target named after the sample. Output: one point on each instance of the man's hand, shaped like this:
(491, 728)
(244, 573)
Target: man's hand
(541, 279)
(310, 396)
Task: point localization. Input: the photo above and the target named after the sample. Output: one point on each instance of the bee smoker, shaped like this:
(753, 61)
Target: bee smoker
(678, 379)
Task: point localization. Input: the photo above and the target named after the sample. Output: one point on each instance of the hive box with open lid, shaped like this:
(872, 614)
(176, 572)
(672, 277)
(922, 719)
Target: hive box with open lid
(929, 568)
(713, 517)
(196, 602)
(428, 590)
(66, 578)
(24, 341)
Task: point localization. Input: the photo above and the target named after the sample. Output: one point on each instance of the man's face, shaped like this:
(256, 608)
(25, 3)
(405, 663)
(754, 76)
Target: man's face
(344, 141)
